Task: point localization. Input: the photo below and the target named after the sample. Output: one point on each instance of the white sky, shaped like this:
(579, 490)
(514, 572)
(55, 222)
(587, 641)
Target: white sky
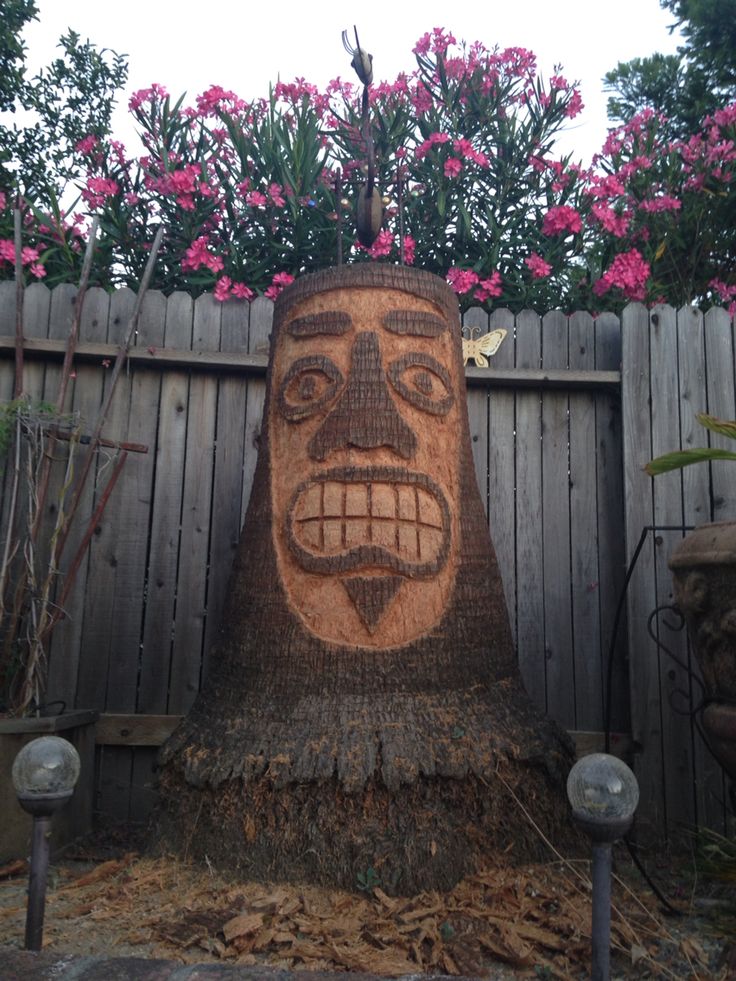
(243, 46)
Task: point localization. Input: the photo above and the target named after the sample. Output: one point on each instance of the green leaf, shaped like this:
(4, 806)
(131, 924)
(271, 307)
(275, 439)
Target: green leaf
(683, 458)
(723, 427)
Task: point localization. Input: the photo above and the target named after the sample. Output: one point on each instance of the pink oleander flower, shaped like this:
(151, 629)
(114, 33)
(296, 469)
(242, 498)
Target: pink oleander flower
(210, 101)
(242, 292)
(462, 280)
(614, 223)
(628, 272)
(432, 140)
(146, 95)
(538, 266)
(3, 200)
(255, 199)
(575, 106)
(98, 189)
(276, 194)
(87, 145)
(409, 250)
(198, 255)
(453, 166)
(222, 289)
(490, 288)
(279, 281)
(562, 219)
(725, 292)
(437, 42)
(381, 247)
(662, 203)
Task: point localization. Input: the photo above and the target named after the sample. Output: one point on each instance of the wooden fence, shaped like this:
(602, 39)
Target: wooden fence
(558, 463)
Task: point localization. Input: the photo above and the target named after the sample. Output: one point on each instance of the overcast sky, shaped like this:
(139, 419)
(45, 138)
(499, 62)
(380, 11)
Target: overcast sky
(243, 46)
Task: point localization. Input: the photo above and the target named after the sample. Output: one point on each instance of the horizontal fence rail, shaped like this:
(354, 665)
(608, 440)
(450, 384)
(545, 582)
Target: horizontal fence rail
(553, 466)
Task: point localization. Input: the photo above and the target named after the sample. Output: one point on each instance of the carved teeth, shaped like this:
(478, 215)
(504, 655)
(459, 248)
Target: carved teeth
(333, 516)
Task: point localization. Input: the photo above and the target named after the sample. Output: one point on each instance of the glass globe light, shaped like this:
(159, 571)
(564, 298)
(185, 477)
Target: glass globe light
(45, 772)
(604, 794)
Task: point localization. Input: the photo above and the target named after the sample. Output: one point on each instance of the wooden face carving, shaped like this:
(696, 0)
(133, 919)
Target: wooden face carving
(364, 438)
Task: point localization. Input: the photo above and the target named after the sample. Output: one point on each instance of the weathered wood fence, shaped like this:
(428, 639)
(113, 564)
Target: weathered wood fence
(558, 462)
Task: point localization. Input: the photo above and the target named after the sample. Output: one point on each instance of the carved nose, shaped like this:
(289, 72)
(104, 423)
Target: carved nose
(365, 415)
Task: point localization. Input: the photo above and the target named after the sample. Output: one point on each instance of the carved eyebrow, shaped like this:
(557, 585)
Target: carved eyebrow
(417, 323)
(329, 322)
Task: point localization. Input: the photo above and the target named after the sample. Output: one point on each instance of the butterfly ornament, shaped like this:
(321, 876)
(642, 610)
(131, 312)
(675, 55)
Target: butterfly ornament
(480, 349)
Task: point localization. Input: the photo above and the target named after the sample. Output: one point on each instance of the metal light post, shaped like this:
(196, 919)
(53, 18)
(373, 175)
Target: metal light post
(44, 774)
(604, 795)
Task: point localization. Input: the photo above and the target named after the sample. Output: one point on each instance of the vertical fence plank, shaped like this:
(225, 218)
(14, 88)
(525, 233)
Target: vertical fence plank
(7, 329)
(529, 529)
(189, 621)
(86, 389)
(227, 487)
(166, 517)
(259, 332)
(501, 465)
(587, 646)
(556, 529)
(705, 780)
(149, 335)
(668, 518)
(611, 546)
(646, 710)
(475, 324)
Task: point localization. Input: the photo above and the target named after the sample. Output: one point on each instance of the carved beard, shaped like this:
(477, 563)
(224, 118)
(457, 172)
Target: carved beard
(365, 524)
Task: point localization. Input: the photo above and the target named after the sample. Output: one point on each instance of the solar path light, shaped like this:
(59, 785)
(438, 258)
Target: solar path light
(44, 774)
(604, 794)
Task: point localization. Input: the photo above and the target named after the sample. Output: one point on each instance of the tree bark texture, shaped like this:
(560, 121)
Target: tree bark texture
(364, 709)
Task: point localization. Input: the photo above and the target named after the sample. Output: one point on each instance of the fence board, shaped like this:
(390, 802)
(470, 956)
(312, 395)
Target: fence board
(558, 638)
(646, 722)
(259, 331)
(166, 515)
(501, 465)
(668, 519)
(475, 323)
(611, 549)
(586, 628)
(189, 620)
(227, 486)
(86, 389)
(529, 528)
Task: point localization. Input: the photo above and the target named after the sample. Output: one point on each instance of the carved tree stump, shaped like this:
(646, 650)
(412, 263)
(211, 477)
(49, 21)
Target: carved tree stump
(364, 707)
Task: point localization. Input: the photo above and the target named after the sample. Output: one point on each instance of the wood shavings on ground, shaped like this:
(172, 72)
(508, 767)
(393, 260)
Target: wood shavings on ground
(531, 921)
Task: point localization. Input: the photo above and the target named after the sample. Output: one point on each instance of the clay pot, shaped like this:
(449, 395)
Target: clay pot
(704, 574)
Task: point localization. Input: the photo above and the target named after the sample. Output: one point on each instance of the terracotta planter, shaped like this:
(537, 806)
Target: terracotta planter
(704, 574)
(72, 821)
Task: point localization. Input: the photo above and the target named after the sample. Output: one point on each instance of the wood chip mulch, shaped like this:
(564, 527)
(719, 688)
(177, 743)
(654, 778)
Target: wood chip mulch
(533, 920)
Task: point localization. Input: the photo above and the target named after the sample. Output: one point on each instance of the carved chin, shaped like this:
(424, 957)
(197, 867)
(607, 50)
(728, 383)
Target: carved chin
(369, 518)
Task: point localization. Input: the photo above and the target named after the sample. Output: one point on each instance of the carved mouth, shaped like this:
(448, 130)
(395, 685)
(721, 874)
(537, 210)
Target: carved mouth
(386, 518)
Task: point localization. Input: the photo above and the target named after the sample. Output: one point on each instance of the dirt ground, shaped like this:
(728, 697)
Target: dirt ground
(108, 899)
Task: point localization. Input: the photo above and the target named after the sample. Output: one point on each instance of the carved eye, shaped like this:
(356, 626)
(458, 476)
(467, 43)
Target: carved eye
(308, 385)
(423, 382)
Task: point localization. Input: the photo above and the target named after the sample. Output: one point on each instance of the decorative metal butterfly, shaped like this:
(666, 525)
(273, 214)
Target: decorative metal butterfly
(479, 349)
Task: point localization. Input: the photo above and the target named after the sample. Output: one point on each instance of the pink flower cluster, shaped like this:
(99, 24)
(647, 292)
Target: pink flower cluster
(279, 281)
(726, 293)
(538, 266)
(198, 255)
(29, 257)
(464, 280)
(562, 220)
(98, 190)
(628, 272)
